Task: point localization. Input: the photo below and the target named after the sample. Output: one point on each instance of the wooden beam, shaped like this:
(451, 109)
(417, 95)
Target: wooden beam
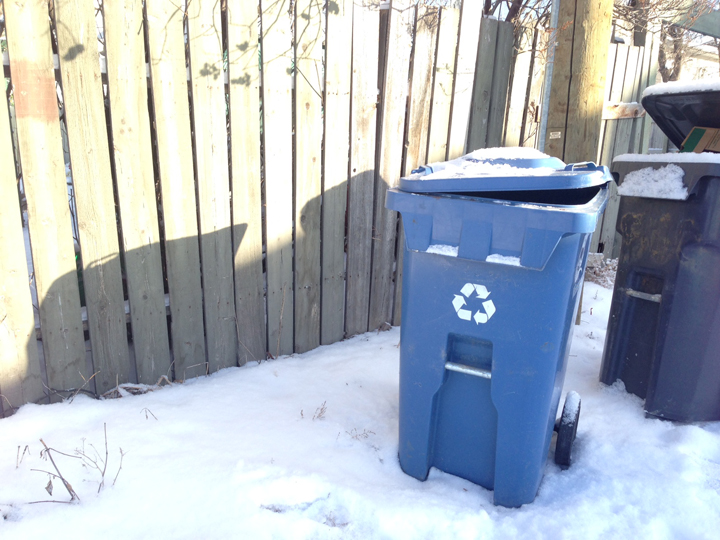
(244, 91)
(277, 63)
(212, 180)
(337, 129)
(20, 379)
(132, 154)
(49, 220)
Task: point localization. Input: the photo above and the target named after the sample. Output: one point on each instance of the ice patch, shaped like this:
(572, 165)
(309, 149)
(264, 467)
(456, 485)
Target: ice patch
(502, 259)
(663, 183)
(443, 249)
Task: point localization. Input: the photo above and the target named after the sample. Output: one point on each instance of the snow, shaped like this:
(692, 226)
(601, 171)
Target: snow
(503, 259)
(571, 407)
(306, 447)
(479, 163)
(680, 87)
(663, 183)
(676, 157)
(443, 249)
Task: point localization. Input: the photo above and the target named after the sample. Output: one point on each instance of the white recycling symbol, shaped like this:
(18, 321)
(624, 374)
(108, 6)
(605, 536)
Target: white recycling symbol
(466, 314)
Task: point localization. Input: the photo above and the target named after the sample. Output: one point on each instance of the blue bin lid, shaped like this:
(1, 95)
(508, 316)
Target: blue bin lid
(504, 169)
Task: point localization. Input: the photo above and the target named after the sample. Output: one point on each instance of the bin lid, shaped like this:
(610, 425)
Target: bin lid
(503, 169)
(677, 107)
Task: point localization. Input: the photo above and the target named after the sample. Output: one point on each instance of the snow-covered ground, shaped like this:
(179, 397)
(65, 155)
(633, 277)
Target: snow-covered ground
(306, 447)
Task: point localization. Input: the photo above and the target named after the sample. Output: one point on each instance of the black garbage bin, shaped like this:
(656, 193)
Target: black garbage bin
(663, 336)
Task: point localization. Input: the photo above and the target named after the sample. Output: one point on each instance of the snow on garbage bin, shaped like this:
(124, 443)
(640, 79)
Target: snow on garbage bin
(496, 246)
(663, 336)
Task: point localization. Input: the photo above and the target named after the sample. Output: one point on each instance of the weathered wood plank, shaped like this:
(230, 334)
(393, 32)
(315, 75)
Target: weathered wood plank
(277, 58)
(482, 90)
(212, 180)
(612, 60)
(394, 98)
(620, 111)
(337, 131)
(366, 27)
(467, 51)
(592, 32)
(555, 135)
(308, 169)
(615, 95)
(40, 142)
(425, 46)
(644, 71)
(426, 31)
(132, 153)
(519, 86)
(620, 145)
(92, 179)
(651, 78)
(443, 85)
(500, 82)
(244, 77)
(531, 116)
(174, 152)
(20, 379)
(623, 132)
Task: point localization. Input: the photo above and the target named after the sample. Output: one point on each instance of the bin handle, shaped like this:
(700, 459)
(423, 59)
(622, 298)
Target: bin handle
(582, 165)
(468, 370)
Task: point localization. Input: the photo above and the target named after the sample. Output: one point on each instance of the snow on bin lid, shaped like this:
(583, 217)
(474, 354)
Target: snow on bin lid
(677, 107)
(503, 169)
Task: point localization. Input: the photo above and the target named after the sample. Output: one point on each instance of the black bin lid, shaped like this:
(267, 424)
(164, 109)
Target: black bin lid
(677, 107)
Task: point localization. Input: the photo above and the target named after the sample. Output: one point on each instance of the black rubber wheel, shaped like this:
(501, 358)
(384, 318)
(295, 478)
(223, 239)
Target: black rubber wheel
(567, 430)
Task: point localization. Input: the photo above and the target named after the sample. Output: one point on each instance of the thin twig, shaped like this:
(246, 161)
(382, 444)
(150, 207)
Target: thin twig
(59, 502)
(122, 455)
(68, 487)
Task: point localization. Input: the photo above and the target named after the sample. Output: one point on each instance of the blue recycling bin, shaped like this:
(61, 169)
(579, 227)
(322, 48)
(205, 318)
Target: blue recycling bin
(495, 254)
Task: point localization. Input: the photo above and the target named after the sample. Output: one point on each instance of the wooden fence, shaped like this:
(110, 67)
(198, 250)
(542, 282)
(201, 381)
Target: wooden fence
(625, 126)
(229, 168)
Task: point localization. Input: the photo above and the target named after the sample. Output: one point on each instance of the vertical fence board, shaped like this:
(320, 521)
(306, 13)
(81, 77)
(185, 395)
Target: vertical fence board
(467, 51)
(482, 90)
(366, 28)
(559, 89)
(644, 71)
(423, 62)
(174, 148)
(43, 167)
(521, 73)
(612, 60)
(443, 84)
(308, 168)
(20, 380)
(623, 131)
(337, 146)
(619, 143)
(132, 151)
(213, 183)
(90, 163)
(394, 99)
(531, 115)
(244, 78)
(277, 62)
(615, 96)
(500, 81)
(647, 124)
(426, 30)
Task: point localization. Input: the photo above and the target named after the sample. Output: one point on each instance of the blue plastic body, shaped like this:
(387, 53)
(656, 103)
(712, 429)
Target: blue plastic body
(495, 432)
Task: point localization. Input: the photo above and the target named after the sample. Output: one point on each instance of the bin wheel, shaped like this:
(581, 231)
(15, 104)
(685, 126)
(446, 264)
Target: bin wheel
(567, 430)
